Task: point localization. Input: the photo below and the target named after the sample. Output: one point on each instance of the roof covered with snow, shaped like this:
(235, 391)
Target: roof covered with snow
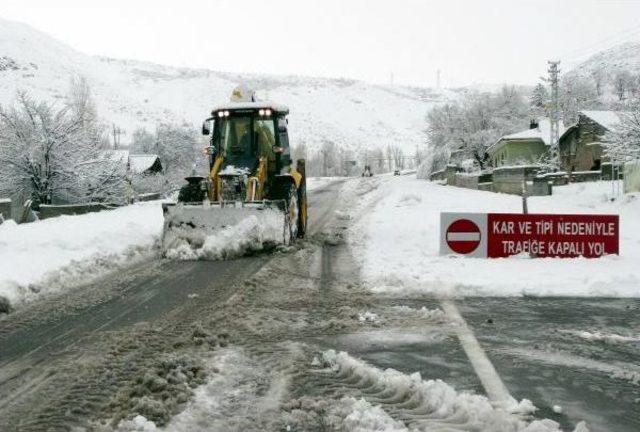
(139, 163)
(606, 119)
(542, 133)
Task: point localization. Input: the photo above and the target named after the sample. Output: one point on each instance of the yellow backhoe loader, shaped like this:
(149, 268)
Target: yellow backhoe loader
(251, 175)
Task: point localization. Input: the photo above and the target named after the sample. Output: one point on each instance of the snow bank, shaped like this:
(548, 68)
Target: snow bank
(30, 253)
(398, 242)
(441, 406)
(314, 183)
(364, 417)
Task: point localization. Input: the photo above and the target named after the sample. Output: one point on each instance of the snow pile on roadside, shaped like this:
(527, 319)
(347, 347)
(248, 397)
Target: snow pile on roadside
(364, 417)
(608, 338)
(314, 183)
(398, 244)
(367, 317)
(442, 404)
(249, 235)
(31, 253)
(423, 312)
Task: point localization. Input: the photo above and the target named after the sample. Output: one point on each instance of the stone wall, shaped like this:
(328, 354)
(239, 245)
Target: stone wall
(632, 177)
(579, 147)
(510, 179)
(152, 196)
(464, 180)
(49, 211)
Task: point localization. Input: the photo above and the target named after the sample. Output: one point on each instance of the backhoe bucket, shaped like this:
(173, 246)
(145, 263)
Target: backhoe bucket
(223, 230)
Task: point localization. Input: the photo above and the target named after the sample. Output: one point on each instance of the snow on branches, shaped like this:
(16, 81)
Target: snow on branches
(52, 154)
(622, 143)
(468, 127)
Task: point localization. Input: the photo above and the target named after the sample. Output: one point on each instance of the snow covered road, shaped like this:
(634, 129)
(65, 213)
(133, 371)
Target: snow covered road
(304, 341)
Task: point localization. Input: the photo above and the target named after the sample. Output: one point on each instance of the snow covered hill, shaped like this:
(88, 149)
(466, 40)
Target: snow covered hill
(609, 62)
(131, 93)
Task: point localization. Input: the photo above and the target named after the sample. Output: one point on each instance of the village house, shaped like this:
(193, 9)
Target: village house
(136, 163)
(580, 146)
(522, 148)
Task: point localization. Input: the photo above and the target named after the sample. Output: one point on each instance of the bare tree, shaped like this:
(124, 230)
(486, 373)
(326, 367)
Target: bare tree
(142, 141)
(398, 157)
(52, 153)
(623, 83)
(623, 142)
(599, 77)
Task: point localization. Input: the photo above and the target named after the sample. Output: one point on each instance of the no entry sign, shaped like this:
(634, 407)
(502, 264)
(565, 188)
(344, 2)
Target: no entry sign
(497, 235)
(463, 236)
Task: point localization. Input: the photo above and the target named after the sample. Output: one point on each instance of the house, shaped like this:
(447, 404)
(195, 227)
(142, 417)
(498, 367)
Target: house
(580, 147)
(525, 147)
(135, 163)
(144, 164)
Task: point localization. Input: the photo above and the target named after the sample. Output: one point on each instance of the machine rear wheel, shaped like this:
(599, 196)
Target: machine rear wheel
(302, 215)
(191, 193)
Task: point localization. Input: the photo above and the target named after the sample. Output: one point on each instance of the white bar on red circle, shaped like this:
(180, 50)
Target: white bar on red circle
(463, 236)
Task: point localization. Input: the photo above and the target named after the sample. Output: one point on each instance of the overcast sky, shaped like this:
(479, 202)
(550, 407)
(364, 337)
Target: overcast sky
(483, 41)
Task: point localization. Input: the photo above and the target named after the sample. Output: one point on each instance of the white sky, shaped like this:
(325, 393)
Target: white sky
(483, 41)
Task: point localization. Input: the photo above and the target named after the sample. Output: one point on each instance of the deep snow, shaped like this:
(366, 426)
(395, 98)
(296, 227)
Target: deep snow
(398, 241)
(31, 253)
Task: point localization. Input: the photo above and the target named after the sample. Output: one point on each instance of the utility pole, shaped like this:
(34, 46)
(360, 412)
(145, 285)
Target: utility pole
(554, 115)
(116, 136)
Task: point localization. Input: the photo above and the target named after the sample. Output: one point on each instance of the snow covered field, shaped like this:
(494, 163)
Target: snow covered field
(398, 244)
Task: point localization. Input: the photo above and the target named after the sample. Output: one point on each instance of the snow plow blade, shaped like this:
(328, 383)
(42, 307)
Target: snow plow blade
(206, 229)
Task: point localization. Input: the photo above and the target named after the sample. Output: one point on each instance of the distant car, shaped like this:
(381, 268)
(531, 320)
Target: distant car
(396, 172)
(367, 171)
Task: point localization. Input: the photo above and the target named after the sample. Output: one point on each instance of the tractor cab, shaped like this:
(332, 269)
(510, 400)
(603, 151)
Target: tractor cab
(245, 132)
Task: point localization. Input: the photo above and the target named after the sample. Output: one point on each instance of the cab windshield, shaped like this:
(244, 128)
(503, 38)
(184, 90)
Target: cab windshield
(244, 139)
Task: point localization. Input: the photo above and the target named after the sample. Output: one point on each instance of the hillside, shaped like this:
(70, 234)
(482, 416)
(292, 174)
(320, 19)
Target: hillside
(131, 94)
(606, 64)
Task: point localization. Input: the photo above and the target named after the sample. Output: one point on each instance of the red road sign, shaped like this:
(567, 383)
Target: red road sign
(552, 235)
(498, 235)
(463, 236)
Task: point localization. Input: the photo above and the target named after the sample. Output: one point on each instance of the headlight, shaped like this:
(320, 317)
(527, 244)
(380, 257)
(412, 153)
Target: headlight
(220, 114)
(261, 112)
(267, 112)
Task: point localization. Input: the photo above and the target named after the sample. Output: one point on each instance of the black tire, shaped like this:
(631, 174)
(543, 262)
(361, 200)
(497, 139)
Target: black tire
(302, 202)
(191, 193)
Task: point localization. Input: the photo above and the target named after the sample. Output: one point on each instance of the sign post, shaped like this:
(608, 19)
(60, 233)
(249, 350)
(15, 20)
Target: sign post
(499, 235)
